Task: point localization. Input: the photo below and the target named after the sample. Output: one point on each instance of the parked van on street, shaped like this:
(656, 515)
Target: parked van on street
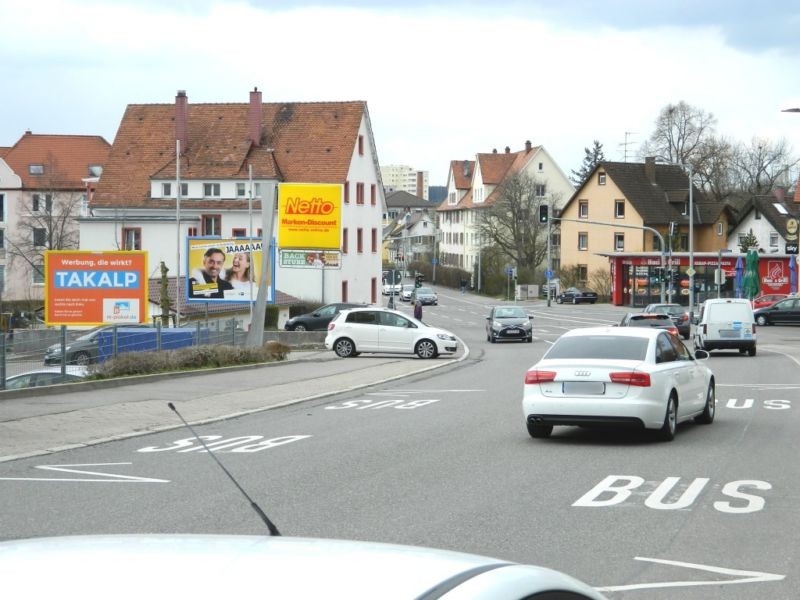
(725, 324)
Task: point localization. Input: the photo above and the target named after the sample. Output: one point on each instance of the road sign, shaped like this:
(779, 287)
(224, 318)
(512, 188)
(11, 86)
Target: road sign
(691, 272)
(548, 274)
(435, 261)
(509, 271)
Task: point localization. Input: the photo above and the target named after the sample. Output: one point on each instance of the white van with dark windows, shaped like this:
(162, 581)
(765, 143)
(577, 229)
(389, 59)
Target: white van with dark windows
(725, 324)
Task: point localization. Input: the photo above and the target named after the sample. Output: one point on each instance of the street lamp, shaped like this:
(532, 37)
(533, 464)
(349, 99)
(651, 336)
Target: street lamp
(720, 252)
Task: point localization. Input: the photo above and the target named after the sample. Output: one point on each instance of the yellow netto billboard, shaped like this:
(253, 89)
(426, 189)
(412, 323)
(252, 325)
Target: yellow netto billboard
(309, 215)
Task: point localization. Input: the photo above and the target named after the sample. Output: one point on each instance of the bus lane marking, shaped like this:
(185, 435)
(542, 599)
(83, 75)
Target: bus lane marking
(103, 477)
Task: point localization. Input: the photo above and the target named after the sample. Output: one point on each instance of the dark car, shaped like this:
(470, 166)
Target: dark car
(425, 295)
(320, 318)
(676, 312)
(85, 349)
(509, 323)
(655, 320)
(576, 295)
(784, 311)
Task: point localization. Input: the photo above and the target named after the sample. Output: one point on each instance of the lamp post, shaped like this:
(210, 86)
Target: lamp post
(720, 252)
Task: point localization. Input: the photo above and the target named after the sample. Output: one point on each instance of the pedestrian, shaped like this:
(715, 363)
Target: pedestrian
(463, 286)
(418, 310)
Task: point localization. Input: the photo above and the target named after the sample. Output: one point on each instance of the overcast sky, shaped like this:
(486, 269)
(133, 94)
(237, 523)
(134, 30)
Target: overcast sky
(443, 80)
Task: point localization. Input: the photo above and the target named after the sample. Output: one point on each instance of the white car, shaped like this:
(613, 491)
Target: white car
(227, 566)
(391, 288)
(383, 330)
(622, 376)
(407, 291)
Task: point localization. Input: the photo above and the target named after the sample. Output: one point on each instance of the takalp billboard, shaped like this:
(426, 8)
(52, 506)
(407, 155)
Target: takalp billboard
(309, 216)
(95, 288)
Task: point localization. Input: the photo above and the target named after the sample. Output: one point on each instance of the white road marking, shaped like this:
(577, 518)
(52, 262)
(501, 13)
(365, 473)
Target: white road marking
(109, 477)
(748, 577)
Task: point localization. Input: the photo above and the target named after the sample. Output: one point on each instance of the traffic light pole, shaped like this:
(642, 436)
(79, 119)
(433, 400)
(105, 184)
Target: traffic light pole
(549, 260)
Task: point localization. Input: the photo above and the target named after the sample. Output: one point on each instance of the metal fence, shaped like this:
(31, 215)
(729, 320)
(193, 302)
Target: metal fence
(35, 357)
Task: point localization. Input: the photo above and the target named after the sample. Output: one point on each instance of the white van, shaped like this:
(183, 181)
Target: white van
(725, 324)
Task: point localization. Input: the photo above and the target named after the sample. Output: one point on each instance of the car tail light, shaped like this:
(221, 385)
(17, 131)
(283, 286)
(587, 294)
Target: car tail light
(539, 376)
(331, 326)
(673, 330)
(705, 329)
(684, 317)
(631, 378)
(754, 328)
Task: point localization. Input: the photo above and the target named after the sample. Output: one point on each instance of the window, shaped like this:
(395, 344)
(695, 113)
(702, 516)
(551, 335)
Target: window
(374, 290)
(95, 170)
(583, 273)
(39, 200)
(601, 178)
(361, 145)
(359, 240)
(373, 194)
(656, 244)
(583, 209)
(555, 240)
(344, 291)
(37, 273)
(583, 240)
(2, 242)
(256, 190)
(260, 233)
(2, 207)
(741, 238)
(166, 190)
(665, 351)
(773, 240)
(685, 209)
(184, 190)
(374, 240)
(619, 209)
(541, 167)
(2, 277)
(192, 231)
(757, 215)
(239, 232)
(241, 191)
(344, 242)
(359, 193)
(720, 228)
(131, 238)
(619, 242)
(683, 242)
(540, 189)
(36, 169)
(39, 237)
(211, 224)
(211, 190)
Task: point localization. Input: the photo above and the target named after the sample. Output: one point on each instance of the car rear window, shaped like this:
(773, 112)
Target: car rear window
(649, 320)
(599, 346)
(730, 312)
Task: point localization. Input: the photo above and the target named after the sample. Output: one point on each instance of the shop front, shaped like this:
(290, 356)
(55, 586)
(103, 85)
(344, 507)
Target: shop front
(637, 279)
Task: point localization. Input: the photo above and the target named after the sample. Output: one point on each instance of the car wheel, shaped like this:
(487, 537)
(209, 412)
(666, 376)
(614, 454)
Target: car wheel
(81, 358)
(530, 339)
(574, 300)
(344, 347)
(299, 327)
(425, 349)
(667, 431)
(761, 320)
(559, 300)
(711, 407)
(751, 351)
(539, 430)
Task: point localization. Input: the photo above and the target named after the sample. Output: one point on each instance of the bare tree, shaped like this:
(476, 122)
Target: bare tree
(46, 221)
(762, 165)
(511, 222)
(717, 175)
(681, 135)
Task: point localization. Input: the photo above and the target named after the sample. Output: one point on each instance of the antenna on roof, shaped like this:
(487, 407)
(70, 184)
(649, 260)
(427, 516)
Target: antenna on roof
(625, 145)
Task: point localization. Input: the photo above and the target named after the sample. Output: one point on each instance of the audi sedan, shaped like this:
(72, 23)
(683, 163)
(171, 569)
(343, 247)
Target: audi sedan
(618, 376)
(509, 323)
(576, 295)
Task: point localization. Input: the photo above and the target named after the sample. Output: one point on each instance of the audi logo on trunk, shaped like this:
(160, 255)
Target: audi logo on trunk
(582, 373)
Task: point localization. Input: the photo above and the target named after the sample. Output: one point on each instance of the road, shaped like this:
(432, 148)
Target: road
(443, 459)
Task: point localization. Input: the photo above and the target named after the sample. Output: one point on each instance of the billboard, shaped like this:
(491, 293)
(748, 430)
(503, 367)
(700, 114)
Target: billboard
(309, 215)
(224, 269)
(95, 288)
(310, 259)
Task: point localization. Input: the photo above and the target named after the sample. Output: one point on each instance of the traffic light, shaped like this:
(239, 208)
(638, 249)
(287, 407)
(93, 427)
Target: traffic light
(544, 213)
(418, 280)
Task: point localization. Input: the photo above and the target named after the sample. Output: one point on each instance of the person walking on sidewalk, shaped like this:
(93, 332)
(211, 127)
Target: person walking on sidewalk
(418, 310)
(463, 286)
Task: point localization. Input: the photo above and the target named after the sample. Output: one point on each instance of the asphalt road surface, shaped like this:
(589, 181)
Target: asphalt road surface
(442, 459)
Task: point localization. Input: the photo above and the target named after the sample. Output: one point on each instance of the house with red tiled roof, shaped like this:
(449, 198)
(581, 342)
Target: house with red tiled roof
(45, 183)
(231, 156)
(474, 185)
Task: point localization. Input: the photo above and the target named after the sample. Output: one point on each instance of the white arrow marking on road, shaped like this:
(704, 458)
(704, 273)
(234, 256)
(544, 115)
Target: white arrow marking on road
(109, 477)
(749, 577)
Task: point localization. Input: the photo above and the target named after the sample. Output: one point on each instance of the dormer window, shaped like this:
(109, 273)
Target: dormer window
(95, 170)
(685, 209)
(601, 178)
(36, 169)
(166, 190)
(211, 190)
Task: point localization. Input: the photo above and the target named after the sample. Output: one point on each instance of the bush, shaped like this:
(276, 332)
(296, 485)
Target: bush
(183, 359)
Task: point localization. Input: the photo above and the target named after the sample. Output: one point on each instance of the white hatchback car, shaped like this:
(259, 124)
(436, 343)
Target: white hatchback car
(622, 376)
(383, 330)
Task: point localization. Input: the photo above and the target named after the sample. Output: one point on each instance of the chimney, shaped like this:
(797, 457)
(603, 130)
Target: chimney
(494, 150)
(465, 166)
(508, 150)
(254, 117)
(182, 120)
(420, 191)
(780, 193)
(527, 146)
(797, 192)
(650, 169)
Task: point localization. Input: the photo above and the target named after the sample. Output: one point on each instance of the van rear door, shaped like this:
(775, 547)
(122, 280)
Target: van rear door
(729, 321)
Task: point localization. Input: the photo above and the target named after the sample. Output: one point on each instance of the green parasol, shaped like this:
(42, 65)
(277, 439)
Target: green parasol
(751, 280)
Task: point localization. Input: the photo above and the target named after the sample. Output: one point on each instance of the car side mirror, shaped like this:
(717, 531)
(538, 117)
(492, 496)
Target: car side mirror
(488, 318)
(316, 314)
(701, 354)
(530, 317)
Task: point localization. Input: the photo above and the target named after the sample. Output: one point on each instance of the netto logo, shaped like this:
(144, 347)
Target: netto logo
(315, 206)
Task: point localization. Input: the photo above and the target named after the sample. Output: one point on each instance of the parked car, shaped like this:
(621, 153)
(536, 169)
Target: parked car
(726, 324)
(294, 568)
(319, 319)
(782, 312)
(509, 323)
(84, 349)
(656, 320)
(425, 295)
(391, 288)
(618, 376)
(577, 295)
(677, 313)
(406, 292)
(373, 329)
(767, 300)
(46, 376)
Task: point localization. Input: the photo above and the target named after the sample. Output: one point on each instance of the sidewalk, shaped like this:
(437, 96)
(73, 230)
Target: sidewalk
(76, 415)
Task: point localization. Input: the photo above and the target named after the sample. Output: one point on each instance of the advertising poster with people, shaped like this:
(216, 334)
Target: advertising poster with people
(310, 259)
(224, 270)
